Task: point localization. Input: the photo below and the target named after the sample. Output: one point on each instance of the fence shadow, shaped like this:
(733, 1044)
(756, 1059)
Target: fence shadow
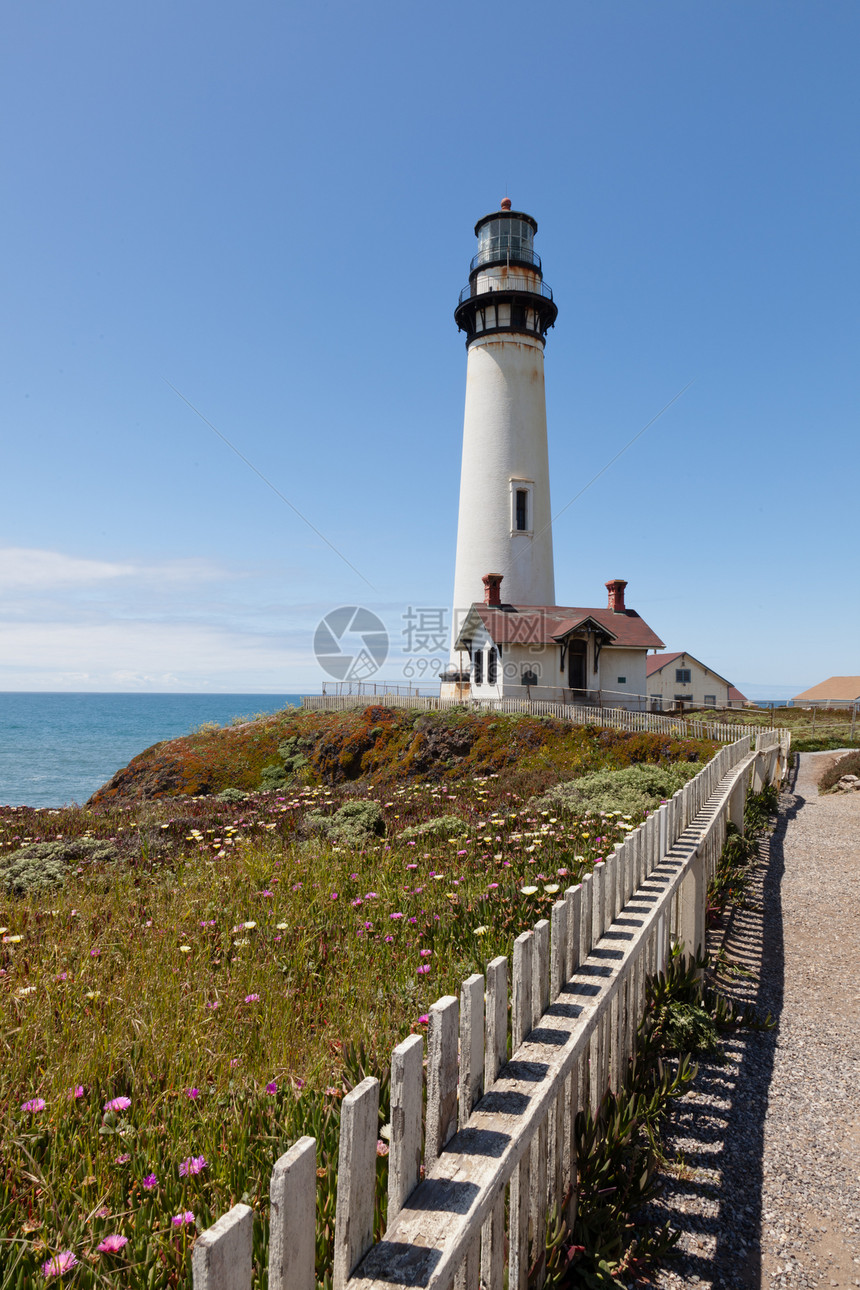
(718, 1130)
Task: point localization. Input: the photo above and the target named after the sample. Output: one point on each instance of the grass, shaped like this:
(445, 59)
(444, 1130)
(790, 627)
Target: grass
(824, 729)
(227, 970)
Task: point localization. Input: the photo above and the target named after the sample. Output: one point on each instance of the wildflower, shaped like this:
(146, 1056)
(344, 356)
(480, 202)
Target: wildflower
(35, 1104)
(234, 1061)
(481, 931)
(59, 1264)
(94, 954)
(193, 1093)
(397, 915)
(282, 927)
(185, 949)
(149, 1182)
(193, 1165)
(252, 998)
(118, 1104)
(76, 1092)
(268, 893)
(112, 1244)
(424, 1019)
(249, 927)
(527, 891)
(424, 953)
(12, 940)
(272, 1086)
(381, 1147)
(331, 1091)
(61, 976)
(551, 888)
(215, 1004)
(123, 1159)
(181, 1220)
(389, 939)
(425, 967)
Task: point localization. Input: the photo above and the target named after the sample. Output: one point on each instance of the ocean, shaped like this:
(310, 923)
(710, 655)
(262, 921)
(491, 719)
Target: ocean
(59, 748)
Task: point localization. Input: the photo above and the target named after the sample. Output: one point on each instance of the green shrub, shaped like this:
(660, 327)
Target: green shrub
(43, 866)
(231, 795)
(441, 826)
(351, 826)
(632, 790)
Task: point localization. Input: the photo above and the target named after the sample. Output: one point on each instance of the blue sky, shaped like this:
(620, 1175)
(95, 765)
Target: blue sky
(269, 207)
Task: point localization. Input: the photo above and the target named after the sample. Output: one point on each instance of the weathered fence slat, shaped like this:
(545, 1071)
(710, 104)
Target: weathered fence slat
(442, 1078)
(404, 1153)
(356, 1179)
(292, 1218)
(222, 1255)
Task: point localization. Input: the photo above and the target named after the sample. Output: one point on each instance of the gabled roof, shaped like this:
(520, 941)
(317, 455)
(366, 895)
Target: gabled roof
(656, 663)
(542, 624)
(735, 695)
(845, 688)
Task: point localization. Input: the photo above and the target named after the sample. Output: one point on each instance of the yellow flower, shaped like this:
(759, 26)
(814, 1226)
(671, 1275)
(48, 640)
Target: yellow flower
(185, 949)
(527, 891)
(282, 927)
(481, 931)
(12, 940)
(551, 888)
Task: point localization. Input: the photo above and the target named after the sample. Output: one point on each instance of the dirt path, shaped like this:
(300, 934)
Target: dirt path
(768, 1192)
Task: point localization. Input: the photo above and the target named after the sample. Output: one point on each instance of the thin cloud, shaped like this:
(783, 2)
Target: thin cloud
(31, 569)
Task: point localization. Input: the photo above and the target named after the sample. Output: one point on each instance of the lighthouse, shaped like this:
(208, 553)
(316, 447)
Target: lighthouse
(504, 526)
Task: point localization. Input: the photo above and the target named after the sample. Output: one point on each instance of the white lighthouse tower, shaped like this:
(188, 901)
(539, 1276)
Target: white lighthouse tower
(504, 525)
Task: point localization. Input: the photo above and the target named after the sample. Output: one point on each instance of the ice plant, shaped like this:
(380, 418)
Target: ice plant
(35, 1104)
(193, 1093)
(193, 1165)
(112, 1244)
(118, 1104)
(252, 998)
(59, 1264)
(149, 1182)
(181, 1220)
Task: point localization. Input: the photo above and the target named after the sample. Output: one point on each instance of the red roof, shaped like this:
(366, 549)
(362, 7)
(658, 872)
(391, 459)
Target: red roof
(735, 695)
(656, 662)
(540, 624)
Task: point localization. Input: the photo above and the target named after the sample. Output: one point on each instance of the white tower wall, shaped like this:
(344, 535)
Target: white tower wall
(504, 448)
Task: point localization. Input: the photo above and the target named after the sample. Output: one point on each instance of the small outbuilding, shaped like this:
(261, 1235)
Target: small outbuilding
(556, 653)
(680, 680)
(835, 692)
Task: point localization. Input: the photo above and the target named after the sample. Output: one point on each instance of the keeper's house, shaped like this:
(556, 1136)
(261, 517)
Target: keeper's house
(677, 681)
(555, 653)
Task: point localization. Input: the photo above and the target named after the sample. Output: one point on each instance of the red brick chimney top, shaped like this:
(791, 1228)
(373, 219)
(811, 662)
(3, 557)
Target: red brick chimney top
(615, 587)
(492, 583)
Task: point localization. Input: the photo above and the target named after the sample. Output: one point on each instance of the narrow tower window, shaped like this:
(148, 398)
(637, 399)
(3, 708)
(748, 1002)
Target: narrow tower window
(478, 662)
(522, 510)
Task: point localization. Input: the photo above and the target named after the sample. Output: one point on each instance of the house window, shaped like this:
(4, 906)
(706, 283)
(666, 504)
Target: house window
(522, 521)
(478, 666)
(622, 680)
(492, 658)
(710, 700)
(682, 676)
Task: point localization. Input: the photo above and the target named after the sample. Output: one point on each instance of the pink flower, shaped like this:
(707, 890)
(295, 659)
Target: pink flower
(425, 967)
(334, 895)
(252, 998)
(123, 1159)
(395, 915)
(149, 1182)
(76, 1092)
(298, 1084)
(272, 1086)
(424, 1019)
(213, 1005)
(181, 1220)
(61, 976)
(381, 1147)
(112, 1244)
(35, 1104)
(193, 1093)
(59, 1264)
(94, 954)
(424, 953)
(193, 1165)
(118, 1104)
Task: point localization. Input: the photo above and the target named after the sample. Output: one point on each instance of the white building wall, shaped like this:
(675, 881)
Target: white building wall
(703, 684)
(504, 445)
(622, 676)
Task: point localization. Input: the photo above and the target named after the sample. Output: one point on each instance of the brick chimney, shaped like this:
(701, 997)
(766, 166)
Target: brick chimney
(492, 583)
(616, 595)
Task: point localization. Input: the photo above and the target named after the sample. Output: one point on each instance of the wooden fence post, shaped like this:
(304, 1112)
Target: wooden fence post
(356, 1179)
(518, 1269)
(221, 1259)
(404, 1152)
(442, 1078)
(292, 1218)
(495, 1056)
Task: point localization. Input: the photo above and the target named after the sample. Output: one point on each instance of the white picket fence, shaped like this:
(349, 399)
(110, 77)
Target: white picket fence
(491, 1125)
(577, 714)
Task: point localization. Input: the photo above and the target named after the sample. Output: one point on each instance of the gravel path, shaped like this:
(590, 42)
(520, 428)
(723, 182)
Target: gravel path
(767, 1191)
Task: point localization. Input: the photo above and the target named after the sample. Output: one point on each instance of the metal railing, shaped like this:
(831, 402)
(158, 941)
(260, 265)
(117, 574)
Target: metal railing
(503, 255)
(485, 286)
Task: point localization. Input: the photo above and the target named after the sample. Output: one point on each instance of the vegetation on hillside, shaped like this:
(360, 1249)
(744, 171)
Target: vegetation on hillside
(810, 732)
(188, 984)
